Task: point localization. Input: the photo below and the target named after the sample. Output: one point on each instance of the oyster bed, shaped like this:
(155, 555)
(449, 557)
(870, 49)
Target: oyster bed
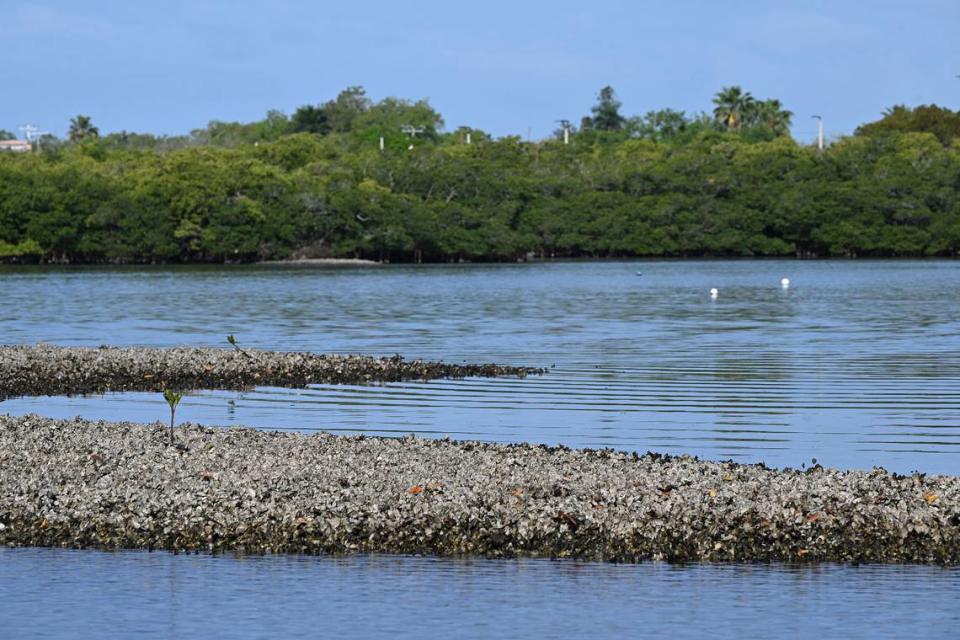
(50, 370)
(121, 485)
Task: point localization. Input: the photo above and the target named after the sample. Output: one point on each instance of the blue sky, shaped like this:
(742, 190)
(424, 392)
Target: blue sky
(505, 67)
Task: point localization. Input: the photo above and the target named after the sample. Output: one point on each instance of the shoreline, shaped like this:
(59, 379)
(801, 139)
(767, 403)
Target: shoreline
(110, 485)
(363, 262)
(43, 370)
(320, 262)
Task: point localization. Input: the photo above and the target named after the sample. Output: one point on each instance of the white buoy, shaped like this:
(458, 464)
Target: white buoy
(714, 292)
(785, 283)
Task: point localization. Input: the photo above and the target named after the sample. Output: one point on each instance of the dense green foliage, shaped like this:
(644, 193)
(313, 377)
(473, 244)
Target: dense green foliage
(606, 113)
(943, 123)
(317, 184)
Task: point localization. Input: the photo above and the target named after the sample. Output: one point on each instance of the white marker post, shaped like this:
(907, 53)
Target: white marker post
(565, 125)
(819, 132)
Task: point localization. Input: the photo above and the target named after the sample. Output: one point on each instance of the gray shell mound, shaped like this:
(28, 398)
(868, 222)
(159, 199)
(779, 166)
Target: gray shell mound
(50, 370)
(120, 485)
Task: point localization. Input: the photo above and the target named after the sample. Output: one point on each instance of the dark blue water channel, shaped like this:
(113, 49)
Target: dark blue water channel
(855, 363)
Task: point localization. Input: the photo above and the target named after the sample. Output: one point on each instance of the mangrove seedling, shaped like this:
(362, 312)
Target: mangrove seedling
(233, 341)
(173, 399)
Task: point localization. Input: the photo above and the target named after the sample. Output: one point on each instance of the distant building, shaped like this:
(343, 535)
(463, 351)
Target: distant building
(15, 145)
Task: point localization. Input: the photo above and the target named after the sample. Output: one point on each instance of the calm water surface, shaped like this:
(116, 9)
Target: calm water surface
(856, 364)
(89, 594)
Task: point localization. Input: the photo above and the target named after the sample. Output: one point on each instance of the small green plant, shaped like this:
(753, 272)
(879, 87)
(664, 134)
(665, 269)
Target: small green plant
(233, 341)
(173, 399)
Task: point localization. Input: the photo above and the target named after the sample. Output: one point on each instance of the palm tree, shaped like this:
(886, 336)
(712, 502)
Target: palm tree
(732, 105)
(81, 128)
(771, 114)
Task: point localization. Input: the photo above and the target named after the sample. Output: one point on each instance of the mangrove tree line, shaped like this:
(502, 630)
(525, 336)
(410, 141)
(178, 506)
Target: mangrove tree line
(731, 182)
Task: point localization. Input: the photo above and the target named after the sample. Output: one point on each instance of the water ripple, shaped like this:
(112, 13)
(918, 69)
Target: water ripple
(857, 364)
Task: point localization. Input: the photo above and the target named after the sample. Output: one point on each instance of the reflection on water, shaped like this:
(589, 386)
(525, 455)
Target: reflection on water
(856, 364)
(56, 594)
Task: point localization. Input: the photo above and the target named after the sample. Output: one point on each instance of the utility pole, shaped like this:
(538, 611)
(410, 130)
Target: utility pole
(32, 134)
(565, 124)
(468, 138)
(29, 131)
(411, 131)
(819, 132)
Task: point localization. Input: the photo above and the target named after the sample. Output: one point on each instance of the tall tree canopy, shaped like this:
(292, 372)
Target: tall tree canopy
(732, 106)
(664, 124)
(391, 115)
(737, 110)
(606, 113)
(81, 128)
(344, 109)
(772, 115)
(941, 122)
(310, 119)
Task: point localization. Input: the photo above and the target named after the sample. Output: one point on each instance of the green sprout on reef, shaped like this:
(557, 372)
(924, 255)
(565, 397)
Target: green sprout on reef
(233, 341)
(173, 399)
